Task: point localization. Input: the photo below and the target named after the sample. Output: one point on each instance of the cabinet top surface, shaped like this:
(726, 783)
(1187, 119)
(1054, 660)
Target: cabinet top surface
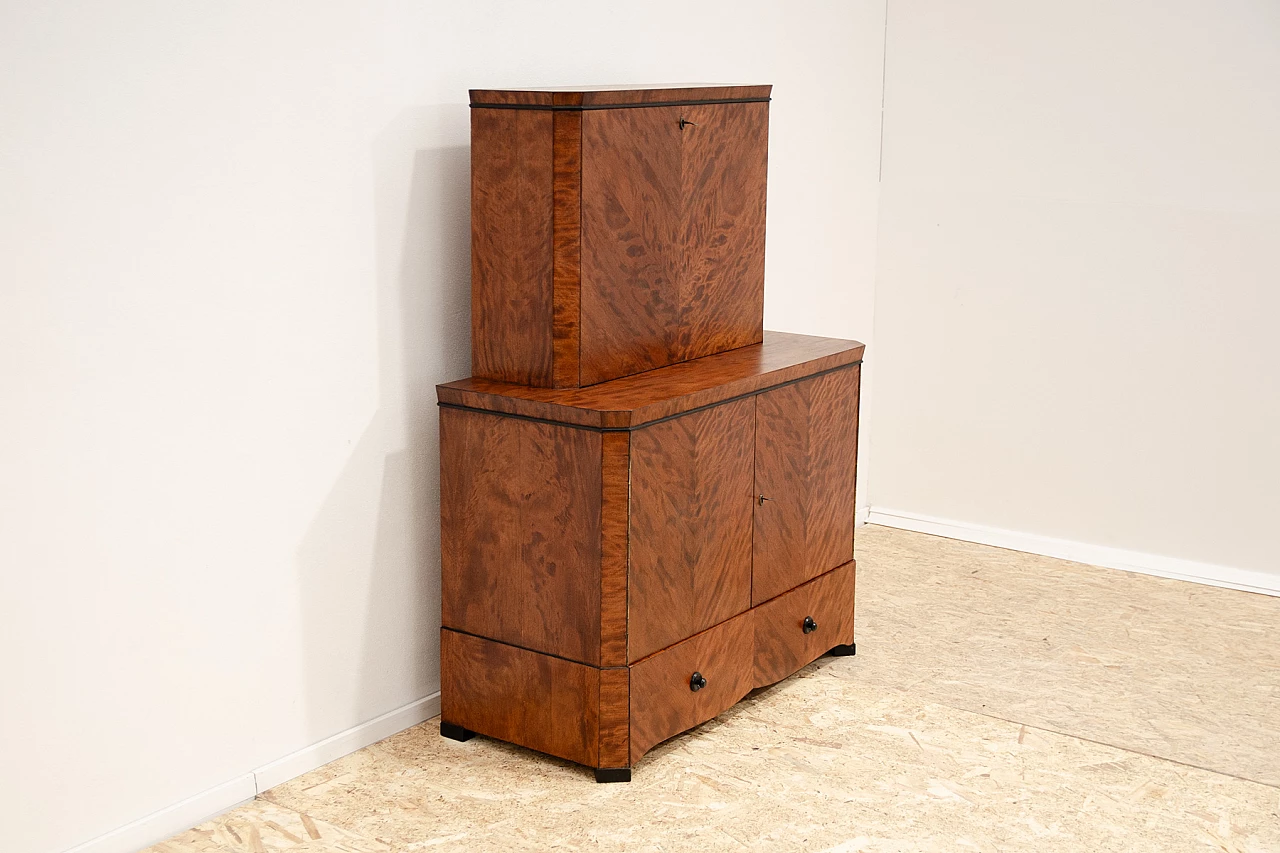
(655, 394)
(619, 95)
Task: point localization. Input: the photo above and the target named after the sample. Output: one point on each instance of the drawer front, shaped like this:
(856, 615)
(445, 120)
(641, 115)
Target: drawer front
(781, 643)
(663, 702)
(538, 701)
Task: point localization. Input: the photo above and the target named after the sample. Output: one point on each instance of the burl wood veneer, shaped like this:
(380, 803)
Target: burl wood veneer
(615, 231)
(623, 562)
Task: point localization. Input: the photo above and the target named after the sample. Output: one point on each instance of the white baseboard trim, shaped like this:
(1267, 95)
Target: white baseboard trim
(176, 818)
(179, 817)
(1080, 552)
(344, 743)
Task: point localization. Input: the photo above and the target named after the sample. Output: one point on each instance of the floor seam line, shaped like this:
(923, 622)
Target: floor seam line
(933, 701)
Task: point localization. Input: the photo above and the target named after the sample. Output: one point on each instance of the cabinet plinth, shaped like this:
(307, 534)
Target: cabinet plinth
(625, 561)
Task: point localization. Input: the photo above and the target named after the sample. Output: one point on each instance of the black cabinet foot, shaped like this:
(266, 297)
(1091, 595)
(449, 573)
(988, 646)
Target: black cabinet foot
(453, 732)
(613, 774)
(843, 650)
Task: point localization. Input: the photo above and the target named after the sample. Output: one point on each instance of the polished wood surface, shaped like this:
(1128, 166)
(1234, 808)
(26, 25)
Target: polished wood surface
(614, 511)
(782, 646)
(520, 534)
(615, 718)
(631, 208)
(511, 246)
(723, 164)
(806, 445)
(621, 95)
(607, 242)
(636, 400)
(691, 503)
(566, 247)
(538, 701)
(662, 703)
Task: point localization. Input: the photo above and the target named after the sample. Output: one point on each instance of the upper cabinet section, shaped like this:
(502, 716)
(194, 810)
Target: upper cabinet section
(615, 231)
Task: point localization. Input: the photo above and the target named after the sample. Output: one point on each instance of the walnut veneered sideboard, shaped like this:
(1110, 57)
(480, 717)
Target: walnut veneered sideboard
(646, 500)
(625, 561)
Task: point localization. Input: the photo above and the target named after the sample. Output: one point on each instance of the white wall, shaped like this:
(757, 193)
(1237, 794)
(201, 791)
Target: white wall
(234, 255)
(1077, 284)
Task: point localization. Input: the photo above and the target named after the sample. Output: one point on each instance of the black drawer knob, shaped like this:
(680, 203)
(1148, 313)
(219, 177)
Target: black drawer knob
(697, 681)
(809, 625)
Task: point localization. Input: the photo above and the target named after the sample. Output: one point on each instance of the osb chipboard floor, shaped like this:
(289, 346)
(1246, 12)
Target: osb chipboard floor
(999, 702)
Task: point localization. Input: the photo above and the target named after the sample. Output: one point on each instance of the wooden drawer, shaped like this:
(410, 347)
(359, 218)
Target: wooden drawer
(663, 702)
(781, 644)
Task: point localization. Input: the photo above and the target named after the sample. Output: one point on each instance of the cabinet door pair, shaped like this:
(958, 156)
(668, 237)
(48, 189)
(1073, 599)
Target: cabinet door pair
(736, 504)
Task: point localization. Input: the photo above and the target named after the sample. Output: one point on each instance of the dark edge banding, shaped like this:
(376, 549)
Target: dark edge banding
(581, 107)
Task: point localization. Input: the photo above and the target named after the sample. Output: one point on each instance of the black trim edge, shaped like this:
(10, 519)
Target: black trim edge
(557, 108)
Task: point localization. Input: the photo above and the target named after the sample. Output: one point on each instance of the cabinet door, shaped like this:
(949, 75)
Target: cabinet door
(629, 298)
(724, 159)
(806, 457)
(690, 525)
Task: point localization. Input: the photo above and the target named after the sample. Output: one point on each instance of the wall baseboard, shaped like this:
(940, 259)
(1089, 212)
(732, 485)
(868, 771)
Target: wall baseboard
(195, 810)
(1080, 552)
(344, 743)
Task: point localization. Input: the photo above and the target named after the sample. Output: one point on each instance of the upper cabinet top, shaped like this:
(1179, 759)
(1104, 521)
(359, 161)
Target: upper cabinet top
(604, 97)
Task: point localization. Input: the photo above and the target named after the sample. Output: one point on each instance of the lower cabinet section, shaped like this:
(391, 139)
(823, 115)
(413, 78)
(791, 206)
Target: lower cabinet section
(610, 717)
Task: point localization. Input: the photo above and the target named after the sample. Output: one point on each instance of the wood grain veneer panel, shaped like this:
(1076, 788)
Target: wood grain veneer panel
(567, 231)
(615, 717)
(537, 701)
(639, 399)
(662, 704)
(690, 535)
(724, 164)
(630, 297)
(520, 532)
(614, 511)
(511, 246)
(805, 453)
(781, 645)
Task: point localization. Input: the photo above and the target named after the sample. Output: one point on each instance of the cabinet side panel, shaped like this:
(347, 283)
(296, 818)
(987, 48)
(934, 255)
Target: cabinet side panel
(560, 539)
(724, 165)
(630, 219)
(614, 509)
(511, 245)
(691, 499)
(519, 696)
(567, 230)
(479, 524)
(833, 458)
(520, 532)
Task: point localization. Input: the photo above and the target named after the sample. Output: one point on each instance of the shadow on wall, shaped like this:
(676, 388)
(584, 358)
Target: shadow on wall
(369, 564)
